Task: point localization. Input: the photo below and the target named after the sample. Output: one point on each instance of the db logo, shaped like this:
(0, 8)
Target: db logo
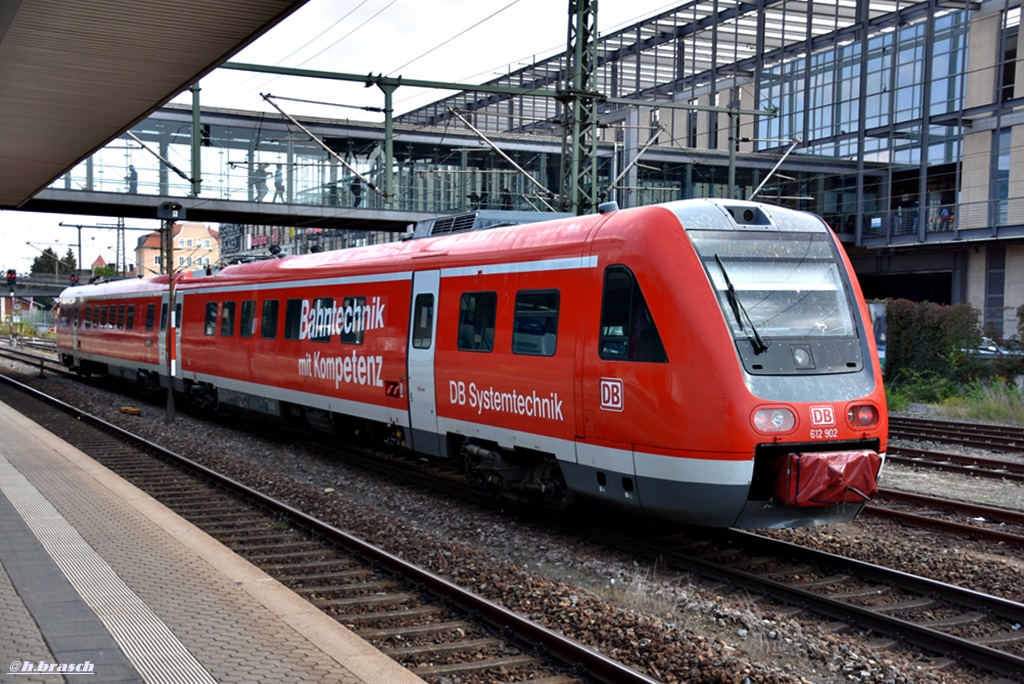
(611, 394)
(823, 415)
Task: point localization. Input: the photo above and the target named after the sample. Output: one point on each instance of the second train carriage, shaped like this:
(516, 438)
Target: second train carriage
(704, 361)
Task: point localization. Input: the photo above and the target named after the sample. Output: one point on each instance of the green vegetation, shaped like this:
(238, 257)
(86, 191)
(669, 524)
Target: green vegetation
(936, 355)
(996, 402)
(28, 329)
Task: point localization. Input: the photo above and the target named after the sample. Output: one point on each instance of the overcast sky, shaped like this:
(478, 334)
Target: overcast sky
(462, 41)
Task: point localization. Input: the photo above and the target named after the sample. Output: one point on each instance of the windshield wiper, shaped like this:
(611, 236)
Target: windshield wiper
(739, 311)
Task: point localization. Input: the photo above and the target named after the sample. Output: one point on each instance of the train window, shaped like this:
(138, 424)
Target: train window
(120, 317)
(247, 326)
(292, 319)
(268, 324)
(104, 313)
(227, 319)
(320, 324)
(628, 332)
(130, 321)
(150, 316)
(477, 312)
(176, 321)
(354, 309)
(423, 321)
(535, 327)
(163, 316)
(775, 285)
(96, 316)
(211, 318)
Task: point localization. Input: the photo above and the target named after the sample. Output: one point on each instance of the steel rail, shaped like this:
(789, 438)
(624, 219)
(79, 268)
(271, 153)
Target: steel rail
(980, 435)
(979, 655)
(41, 363)
(960, 463)
(990, 513)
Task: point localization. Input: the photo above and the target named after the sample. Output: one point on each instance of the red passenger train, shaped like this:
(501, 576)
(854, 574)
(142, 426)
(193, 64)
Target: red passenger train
(703, 361)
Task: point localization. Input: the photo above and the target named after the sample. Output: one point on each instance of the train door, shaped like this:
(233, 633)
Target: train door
(166, 321)
(162, 335)
(421, 379)
(176, 350)
(608, 385)
(76, 320)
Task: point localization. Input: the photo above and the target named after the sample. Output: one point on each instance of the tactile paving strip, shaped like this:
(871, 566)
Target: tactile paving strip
(147, 642)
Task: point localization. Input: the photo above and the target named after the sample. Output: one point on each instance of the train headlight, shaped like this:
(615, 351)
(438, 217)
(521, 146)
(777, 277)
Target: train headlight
(862, 416)
(802, 357)
(776, 419)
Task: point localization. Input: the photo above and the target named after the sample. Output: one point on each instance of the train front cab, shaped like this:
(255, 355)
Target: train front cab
(691, 437)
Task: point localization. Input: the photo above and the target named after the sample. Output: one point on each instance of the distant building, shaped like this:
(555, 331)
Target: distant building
(196, 245)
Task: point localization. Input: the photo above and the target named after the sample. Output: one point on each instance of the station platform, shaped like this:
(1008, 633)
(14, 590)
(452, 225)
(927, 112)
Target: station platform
(101, 583)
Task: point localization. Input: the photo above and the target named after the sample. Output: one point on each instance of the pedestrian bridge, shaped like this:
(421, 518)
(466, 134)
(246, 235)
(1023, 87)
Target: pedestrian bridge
(248, 168)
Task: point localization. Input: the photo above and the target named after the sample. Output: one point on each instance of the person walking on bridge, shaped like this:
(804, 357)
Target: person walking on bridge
(261, 181)
(132, 179)
(279, 183)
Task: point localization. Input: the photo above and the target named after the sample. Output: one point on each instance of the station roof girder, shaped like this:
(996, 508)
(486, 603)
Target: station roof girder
(75, 75)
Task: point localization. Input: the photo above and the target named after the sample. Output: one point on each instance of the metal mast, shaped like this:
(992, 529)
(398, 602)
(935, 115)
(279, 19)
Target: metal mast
(579, 97)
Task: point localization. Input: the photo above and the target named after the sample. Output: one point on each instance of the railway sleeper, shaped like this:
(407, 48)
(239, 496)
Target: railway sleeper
(432, 649)
(404, 631)
(475, 666)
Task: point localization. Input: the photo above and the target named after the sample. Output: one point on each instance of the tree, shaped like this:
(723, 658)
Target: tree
(44, 263)
(69, 264)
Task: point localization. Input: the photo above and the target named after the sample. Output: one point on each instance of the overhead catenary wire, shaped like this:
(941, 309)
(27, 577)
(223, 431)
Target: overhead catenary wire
(329, 104)
(550, 195)
(636, 159)
(457, 35)
(156, 154)
(370, 184)
(317, 37)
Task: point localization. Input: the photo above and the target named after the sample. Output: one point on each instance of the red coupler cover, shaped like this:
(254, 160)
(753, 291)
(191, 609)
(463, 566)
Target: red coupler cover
(827, 478)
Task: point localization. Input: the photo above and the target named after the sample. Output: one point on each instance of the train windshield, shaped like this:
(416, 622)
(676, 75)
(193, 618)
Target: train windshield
(777, 284)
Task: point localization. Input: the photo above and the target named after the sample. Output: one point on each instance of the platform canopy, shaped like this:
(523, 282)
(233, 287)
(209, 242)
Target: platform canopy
(75, 74)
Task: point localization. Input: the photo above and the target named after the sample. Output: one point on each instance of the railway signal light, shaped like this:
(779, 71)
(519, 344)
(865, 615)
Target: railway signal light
(74, 278)
(12, 278)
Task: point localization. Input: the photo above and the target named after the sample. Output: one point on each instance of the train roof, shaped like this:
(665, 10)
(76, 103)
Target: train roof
(153, 285)
(527, 242)
(554, 238)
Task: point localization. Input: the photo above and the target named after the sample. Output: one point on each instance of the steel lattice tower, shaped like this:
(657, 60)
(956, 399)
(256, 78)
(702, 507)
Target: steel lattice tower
(579, 97)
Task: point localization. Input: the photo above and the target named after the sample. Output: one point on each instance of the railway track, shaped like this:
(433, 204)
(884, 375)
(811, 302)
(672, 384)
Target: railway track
(429, 625)
(986, 522)
(979, 435)
(966, 626)
(978, 466)
(41, 359)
